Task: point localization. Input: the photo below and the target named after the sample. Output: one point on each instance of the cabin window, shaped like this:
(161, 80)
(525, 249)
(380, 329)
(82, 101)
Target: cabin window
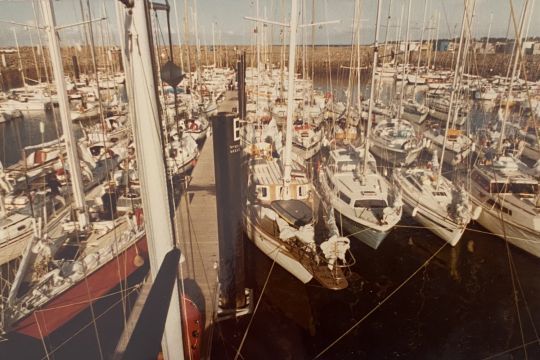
(523, 188)
(21, 228)
(344, 197)
(346, 166)
(262, 192)
(480, 180)
(496, 188)
(439, 193)
(495, 205)
(370, 203)
(301, 192)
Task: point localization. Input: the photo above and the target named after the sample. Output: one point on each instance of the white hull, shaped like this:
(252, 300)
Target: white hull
(517, 235)
(307, 154)
(443, 116)
(452, 157)
(369, 236)
(393, 156)
(275, 251)
(438, 224)
(414, 117)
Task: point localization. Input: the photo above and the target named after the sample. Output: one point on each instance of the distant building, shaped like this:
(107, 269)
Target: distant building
(8, 51)
(442, 45)
(413, 46)
(504, 47)
(535, 49)
(482, 48)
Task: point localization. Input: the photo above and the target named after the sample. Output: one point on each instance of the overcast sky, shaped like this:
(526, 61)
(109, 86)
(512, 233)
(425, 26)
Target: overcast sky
(231, 28)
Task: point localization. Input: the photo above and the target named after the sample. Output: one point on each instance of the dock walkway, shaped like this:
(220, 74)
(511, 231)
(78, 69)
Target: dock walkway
(196, 224)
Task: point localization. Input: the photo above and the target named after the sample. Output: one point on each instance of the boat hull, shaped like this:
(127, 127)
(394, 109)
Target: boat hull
(394, 156)
(275, 251)
(64, 307)
(415, 117)
(517, 235)
(369, 236)
(446, 230)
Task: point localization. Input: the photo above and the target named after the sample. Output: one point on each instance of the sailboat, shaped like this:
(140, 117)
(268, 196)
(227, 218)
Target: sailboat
(364, 203)
(65, 268)
(280, 214)
(396, 142)
(434, 201)
(502, 186)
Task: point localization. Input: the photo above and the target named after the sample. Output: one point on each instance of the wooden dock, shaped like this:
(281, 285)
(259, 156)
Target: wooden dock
(196, 224)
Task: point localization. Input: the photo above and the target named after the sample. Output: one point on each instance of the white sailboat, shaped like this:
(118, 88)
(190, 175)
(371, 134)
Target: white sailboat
(64, 268)
(363, 200)
(280, 214)
(396, 142)
(435, 202)
(364, 203)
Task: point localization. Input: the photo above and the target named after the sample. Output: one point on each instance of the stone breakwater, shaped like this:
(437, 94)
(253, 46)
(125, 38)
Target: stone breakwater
(320, 60)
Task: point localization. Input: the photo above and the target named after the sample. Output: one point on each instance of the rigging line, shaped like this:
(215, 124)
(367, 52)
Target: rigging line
(256, 306)
(381, 302)
(84, 328)
(106, 147)
(512, 274)
(527, 308)
(41, 337)
(497, 355)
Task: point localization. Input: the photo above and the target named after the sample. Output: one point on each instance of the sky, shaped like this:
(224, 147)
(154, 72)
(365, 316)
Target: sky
(231, 28)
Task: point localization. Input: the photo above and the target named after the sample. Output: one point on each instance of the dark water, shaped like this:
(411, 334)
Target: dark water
(461, 305)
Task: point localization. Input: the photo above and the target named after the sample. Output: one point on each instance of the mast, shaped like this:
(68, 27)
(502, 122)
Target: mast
(287, 161)
(178, 33)
(405, 64)
(436, 39)
(63, 102)
(454, 86)
(214, 42)
(159, 230)
(487, 38)
(518, 49)
(372, 89)
(19, 58)
(420, 49)
(45, 68)
(36, 65)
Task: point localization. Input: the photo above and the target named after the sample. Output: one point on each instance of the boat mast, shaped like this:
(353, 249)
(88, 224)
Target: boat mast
(146, 130)
(405, 63)
(63, 102)
(179, 34)
(214, 42)
(21, 70)
(287, 161)
(420, 49)
(372, 88)
(454, 86)
(518, 49)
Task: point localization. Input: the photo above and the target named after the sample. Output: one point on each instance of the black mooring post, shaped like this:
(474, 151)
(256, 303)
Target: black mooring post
(227, 160)
(241, 80)
(76, 67)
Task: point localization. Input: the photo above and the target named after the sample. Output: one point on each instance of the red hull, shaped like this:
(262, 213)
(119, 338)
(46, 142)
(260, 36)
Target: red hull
(193, 328)
(67, 305)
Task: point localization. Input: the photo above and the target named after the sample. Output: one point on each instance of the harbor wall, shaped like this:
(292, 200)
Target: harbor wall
(319, 60)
